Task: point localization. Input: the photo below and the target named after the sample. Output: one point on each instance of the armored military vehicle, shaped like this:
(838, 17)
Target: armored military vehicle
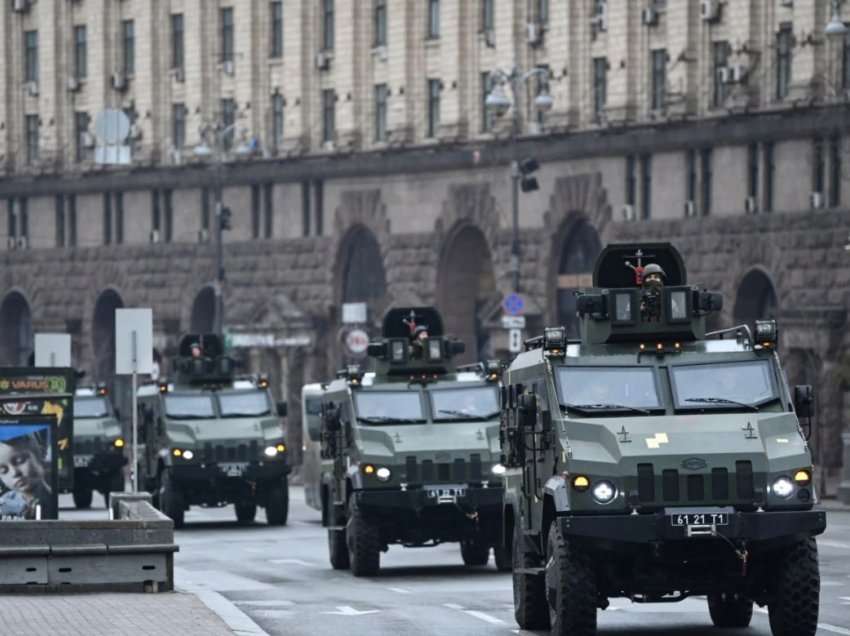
(311, 434)
(413, 450)
(212, 438)
(99, 443)
(654, 461)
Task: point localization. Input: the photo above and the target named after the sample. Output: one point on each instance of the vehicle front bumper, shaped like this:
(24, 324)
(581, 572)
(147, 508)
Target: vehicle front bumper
(101, 463)
(471, 499)
(657, 527)
(215, 471)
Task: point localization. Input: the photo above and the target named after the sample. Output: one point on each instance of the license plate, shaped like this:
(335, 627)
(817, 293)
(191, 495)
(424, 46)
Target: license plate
(445, 494)
(82, 461)
(233, 469)
(700, 519)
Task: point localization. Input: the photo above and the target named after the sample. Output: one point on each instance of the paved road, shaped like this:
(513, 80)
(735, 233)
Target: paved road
(281, 579)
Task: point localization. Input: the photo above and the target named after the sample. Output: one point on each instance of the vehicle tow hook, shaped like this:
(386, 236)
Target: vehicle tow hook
(742, 554)
(472, 516)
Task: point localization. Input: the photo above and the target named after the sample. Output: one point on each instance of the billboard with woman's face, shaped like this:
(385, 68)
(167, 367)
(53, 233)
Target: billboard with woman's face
(28, 469)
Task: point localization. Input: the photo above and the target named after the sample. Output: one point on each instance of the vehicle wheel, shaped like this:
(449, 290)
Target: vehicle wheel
(245, 511)
(277, 506)
(82, 497)
(503, 558)
(171, 500)
(730, 610)
(338, 550)
(793, 609)
(570, 588)
(474, 552)
(364, 545)
(530, 609)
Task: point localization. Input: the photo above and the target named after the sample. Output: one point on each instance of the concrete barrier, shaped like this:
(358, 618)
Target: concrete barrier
(133, 551)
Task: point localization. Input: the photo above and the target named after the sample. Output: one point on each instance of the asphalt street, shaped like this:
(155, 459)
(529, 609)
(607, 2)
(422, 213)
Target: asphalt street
(282, 580)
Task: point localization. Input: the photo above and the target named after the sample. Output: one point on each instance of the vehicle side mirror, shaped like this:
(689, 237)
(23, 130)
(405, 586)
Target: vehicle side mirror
(282, 409)
(527, 410)
(804, 400)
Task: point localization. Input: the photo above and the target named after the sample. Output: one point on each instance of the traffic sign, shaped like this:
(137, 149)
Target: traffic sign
(52, 350)
(513, 322)
(515, 340)
(357, 341)
(513, 304)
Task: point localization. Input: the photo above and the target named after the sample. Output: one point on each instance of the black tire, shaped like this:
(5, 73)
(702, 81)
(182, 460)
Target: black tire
(82, 497)
(338, 550)
(570, 588)
(730, 610)
(172, 502)
(246, 511)
(503, 558)
(531, 610)
(795, 591)
(277, 505)
(364, 545)
(474, 553)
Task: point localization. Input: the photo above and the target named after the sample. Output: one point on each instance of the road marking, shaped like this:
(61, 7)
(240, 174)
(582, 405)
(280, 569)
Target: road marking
(399, 590)
(345, 610)
(475, 614)
(824, 626)
(834, 544)
(292, 562)
(239, 622)
(267, 603)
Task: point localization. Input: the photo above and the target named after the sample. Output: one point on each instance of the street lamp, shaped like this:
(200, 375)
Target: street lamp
(498, 103)
(836, 27)
(214, 145)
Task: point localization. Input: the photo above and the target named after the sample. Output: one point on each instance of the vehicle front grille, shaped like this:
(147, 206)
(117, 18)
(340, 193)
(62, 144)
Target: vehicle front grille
(689, 488)
(232, 453)
(458, 471)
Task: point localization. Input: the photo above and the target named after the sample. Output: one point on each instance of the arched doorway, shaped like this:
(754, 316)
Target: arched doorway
(466, 290)
(577, 250)
(361, 270)
(203, 312)
(755, 300)
(103, 334)
(15, 330)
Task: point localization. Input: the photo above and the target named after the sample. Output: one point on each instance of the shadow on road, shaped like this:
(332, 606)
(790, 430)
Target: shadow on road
(435, 571)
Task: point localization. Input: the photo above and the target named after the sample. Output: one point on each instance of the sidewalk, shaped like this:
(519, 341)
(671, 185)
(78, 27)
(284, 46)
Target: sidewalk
(109, 615)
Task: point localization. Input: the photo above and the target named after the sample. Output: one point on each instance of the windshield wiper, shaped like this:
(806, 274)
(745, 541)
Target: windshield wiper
(189, 416)
(606, 407)
(470, 416)
(719, 400)
(382, 419)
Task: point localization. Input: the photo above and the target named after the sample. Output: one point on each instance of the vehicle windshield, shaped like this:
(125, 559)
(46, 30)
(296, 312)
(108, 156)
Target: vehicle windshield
(474, 403)
(189, 406)
(723, 385)
(244, 404)
(608, 388)
(91, 407)
(376, 407)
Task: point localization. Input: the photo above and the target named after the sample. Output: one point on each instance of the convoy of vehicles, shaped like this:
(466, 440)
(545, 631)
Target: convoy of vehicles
(99, 445)
(412, 450)
(652, 461)
(211, 438)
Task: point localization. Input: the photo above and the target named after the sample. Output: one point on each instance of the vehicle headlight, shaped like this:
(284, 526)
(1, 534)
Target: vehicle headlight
(383, 473)
(783, 487)
(498, 469)
(270, 451)
(118, 443)
(604, 491)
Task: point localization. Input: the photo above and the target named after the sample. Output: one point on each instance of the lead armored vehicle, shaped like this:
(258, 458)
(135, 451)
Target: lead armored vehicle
(98, 446)
(652, 461)
(412, 450)
(212, 438)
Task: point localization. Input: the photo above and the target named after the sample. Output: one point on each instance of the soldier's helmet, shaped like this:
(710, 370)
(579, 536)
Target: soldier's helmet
(421, 329)
(653, 274)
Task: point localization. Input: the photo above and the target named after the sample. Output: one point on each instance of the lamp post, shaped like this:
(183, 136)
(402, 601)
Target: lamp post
(214, 146)
(499, 104)
(836, 27)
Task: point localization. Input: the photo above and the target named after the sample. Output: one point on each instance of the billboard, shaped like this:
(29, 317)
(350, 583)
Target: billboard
(28, 487)
(45, 394)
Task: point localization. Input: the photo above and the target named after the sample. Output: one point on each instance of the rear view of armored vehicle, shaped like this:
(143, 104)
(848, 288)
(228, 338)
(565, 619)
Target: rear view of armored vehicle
(211, 438)
(99, 443)
(652, 461)
(412, 450)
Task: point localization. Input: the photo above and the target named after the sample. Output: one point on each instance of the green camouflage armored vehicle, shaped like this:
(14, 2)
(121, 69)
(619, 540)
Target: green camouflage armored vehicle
(652, 461)
(412, 450)
(211, 438)
(99, 443)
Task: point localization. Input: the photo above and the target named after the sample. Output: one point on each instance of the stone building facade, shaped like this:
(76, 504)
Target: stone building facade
(362, 166)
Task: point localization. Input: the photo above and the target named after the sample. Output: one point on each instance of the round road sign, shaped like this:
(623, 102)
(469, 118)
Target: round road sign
(356, 341)
(513, 304)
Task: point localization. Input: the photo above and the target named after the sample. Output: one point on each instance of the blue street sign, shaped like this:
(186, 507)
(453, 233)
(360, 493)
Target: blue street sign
(513, 304)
